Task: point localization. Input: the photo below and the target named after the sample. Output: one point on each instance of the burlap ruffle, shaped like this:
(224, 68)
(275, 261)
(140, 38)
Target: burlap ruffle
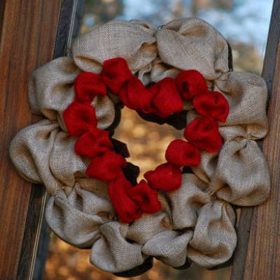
(197, 220)
(51, 91)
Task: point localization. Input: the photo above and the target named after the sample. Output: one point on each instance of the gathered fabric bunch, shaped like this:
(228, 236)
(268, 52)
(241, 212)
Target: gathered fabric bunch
(183, 211)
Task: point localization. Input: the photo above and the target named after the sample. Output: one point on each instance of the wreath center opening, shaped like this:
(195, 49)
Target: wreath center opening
(146, 141)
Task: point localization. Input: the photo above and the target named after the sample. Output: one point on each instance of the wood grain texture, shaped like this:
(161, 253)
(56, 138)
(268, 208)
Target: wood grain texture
(71, 12)
(263, 259)
(32, 232)
(28, 32)
(258, 252)
(243, 234)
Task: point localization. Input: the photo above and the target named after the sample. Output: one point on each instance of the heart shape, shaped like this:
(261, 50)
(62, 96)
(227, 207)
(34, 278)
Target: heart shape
(164, 100)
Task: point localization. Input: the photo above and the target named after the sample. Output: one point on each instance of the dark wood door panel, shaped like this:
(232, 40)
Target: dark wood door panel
(32, 32)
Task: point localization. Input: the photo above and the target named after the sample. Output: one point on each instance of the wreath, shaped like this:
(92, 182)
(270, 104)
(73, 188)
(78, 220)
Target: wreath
(184, 209)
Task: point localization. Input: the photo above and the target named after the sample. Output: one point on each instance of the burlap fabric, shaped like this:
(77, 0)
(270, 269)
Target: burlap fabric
(197, 221)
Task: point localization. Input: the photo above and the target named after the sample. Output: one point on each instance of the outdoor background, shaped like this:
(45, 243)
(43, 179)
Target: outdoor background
(245, 24)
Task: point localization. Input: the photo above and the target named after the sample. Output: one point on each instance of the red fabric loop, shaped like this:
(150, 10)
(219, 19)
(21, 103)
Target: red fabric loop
(106, 167)
(166, 177)
(135, 96)
(204, 134)
(126, 209)
(88, 85)
(191, 83)
(79, 118)
(146, 198)
(93, 143)
(115, 73)
(182, 153)
(212, 105)
(166, 98)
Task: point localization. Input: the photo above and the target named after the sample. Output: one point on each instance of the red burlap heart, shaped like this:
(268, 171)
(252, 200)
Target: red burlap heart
(163, 99)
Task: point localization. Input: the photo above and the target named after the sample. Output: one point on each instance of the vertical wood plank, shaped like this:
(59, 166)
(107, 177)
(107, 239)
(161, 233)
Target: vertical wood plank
(35, 242)
(31, 33)
(27, 40)
(258, 252)
(263, 258)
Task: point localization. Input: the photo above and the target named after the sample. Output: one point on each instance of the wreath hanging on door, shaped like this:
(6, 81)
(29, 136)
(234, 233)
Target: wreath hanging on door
(182, 211)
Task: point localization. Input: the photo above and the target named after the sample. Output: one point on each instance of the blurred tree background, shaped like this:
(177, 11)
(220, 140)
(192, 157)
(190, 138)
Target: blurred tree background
(245, 24)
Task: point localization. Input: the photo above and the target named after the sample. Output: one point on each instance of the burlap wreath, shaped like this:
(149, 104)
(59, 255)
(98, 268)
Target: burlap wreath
(197, 221)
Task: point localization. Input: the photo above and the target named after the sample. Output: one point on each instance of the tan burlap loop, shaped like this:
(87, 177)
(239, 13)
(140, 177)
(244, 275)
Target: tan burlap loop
(169, 247)
(187, 200)
(64, 164)
(241, 176)
(193, 44)
(51, 87)
(143, 229)
(51, 90)
(247, 97)
(104, 110)
(238, 174)
(214, 237)
(131, 40)
(44, 154)
(112, 252)
(76, 218)
(30, 153)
